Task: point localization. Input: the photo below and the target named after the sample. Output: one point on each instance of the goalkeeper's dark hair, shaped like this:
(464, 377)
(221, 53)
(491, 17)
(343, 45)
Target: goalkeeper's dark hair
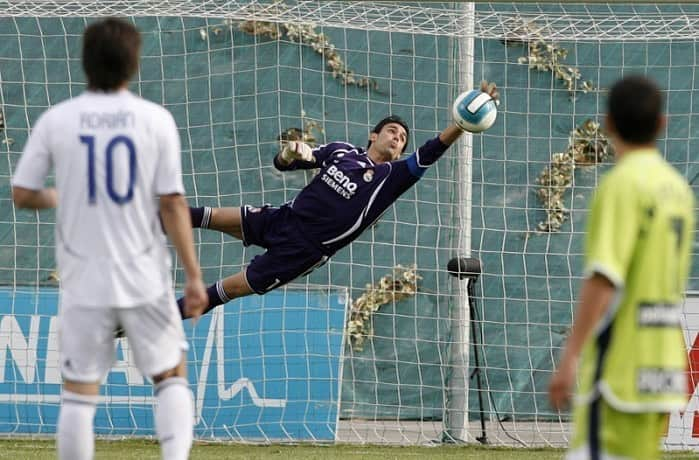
(111, 49)
(635, 107)
(392, 119)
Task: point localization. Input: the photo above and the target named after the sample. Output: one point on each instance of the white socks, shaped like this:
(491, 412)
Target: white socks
(206, 218)
(74, 434)
(174, 422)
(174, 418)
(221, 291)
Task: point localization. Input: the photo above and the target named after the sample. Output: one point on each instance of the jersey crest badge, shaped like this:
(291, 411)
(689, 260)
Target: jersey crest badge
(368, 175)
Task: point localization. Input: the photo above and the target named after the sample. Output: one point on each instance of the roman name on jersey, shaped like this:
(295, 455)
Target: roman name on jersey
(659, 314)
(661, 381)
(338, 181)
(109, 120)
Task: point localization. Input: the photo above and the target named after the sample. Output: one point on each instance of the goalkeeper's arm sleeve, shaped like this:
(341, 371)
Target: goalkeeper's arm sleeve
(425, 156)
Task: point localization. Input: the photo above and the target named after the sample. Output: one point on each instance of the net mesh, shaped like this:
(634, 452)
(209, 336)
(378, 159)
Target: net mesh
(234, 90)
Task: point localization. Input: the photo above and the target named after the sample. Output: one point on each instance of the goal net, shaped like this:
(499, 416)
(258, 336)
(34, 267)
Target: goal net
(375, 346)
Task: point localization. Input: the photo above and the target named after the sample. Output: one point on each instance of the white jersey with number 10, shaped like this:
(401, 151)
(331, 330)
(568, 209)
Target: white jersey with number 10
(113, 155)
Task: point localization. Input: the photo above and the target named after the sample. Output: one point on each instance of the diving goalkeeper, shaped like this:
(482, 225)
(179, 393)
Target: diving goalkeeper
(350, 192)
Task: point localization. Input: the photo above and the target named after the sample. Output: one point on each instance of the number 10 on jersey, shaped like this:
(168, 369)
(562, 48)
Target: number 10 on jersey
(109, 166)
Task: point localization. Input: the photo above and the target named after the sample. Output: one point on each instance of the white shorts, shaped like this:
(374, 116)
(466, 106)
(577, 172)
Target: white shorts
(88, 347)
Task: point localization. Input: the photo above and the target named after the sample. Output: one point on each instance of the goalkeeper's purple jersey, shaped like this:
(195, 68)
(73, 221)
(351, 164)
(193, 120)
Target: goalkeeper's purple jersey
(350, 192)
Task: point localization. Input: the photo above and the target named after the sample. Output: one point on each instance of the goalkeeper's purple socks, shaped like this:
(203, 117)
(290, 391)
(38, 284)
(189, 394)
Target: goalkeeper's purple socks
(217, 296)
(200, 217)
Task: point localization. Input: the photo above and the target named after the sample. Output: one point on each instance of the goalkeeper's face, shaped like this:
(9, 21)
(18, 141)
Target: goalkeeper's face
(388, 144)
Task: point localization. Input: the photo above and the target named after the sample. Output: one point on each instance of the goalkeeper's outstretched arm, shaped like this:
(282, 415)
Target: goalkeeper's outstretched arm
(452, 132)
(433, 149)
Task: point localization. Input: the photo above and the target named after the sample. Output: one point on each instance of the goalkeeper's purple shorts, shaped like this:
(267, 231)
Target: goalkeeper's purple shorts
(289, 255)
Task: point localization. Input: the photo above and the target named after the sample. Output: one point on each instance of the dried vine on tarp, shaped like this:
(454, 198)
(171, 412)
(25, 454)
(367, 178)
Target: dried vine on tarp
(400, 284)
(587, 146)
(305, 34)
(546, 56)
(311, 132)
(7, 140)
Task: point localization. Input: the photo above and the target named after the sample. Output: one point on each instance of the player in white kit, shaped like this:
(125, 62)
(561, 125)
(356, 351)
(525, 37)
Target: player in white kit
(116, 159)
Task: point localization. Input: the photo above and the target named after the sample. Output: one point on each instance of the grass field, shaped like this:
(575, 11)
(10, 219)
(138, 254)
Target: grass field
(141, 449)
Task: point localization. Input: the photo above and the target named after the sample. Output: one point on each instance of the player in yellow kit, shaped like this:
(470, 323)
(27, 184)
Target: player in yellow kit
(626, 343)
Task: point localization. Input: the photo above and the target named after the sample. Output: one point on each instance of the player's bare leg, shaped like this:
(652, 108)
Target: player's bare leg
(236, 286)
(223, 291)
(226, 220)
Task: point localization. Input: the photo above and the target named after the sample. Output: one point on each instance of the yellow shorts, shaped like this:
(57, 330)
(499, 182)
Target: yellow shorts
(602, 432)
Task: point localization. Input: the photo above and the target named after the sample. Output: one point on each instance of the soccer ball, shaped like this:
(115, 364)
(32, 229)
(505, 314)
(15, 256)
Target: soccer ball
(474, 111)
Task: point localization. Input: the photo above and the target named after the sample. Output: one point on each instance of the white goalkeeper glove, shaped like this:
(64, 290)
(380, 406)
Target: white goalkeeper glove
(295, 150)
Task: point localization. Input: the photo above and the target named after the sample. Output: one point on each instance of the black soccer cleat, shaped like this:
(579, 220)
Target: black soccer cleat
(119, 332)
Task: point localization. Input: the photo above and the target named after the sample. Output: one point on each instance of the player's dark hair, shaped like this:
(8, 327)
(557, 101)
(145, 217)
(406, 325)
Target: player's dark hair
(111, 49)
(635, 106)
(392, 119)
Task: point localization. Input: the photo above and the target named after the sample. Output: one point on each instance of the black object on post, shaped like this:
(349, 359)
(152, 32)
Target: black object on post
(464, 268)
(470, 269)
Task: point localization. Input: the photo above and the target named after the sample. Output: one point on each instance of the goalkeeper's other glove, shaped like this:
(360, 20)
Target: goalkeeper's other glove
(295, 150)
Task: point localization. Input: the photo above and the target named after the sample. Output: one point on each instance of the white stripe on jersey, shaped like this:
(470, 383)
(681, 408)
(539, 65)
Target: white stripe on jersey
(417, 157)
(359, 221)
